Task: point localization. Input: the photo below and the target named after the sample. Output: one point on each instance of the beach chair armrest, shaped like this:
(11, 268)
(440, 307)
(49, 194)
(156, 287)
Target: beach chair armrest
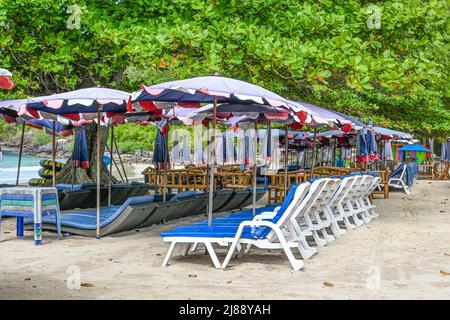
(254, 224)
(265, 215)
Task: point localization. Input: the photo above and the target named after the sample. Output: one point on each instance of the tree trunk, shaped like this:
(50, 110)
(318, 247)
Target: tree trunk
(71, 175)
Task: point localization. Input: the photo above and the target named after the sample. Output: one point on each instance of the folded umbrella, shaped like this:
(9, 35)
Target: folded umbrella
(186, 151)
(175, 148)
(160, 146)
(79, 156)
(362, 151)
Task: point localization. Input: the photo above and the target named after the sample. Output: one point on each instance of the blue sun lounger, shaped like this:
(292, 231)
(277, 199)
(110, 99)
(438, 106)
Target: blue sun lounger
(260, 233)
(113, 219)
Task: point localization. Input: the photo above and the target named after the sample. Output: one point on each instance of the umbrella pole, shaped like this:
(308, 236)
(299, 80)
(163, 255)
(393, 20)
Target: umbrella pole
(20, 153)
(333, 160)
(314, 153)
(98, 174)
(110, 166)
(54, 154)
(166, 162)
(255, 162)
(120, 160)
(305, 155)
(286, 146)
(211, 175)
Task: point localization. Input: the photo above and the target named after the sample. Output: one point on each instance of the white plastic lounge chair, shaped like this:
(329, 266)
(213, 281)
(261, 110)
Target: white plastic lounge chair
(364, 202)
(398, 177)
(321, 219)
(335, 208)
(303, 221)
(311, 221)
(266, 234)
(359, 190)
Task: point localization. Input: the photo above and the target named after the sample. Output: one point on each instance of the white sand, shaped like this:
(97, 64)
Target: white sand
(406, 248)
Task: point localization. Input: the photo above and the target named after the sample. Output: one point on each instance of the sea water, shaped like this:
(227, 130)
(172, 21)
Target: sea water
(28, 169)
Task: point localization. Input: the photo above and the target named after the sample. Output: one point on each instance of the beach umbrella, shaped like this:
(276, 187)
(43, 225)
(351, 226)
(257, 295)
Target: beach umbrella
(267, 143)
(362, 149)
(186, 151)
(372, 148)
(83, 104)
(448, 149)
(79, 155)
(230, 152)
(220, 159)
(357, 124)
(175, 148)
(193, 91)
(392, 133)
(9, 113)
(249, 147)
(444, 152)
(5, 81)
(446, 156)
(82, 101)
(211, 89)
(159, 154)
(60, 129)
(414, 147)
(322, 117)
(241, 146)
(332, 134)
(198, 149)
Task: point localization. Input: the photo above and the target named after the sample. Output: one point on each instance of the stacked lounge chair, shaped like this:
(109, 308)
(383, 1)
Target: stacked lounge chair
(310, 211)
(85, 196)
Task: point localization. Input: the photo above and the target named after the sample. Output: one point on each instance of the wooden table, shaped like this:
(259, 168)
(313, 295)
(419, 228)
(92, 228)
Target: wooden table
(427, 171)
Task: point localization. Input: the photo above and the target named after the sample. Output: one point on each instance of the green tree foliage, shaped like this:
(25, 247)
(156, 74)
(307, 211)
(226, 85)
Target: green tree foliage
(331, 53)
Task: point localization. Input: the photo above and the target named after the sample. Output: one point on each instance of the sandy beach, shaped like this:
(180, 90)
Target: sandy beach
(404, 254)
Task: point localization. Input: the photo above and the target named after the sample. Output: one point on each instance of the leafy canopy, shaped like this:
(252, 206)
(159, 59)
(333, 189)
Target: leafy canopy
(323, 51)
